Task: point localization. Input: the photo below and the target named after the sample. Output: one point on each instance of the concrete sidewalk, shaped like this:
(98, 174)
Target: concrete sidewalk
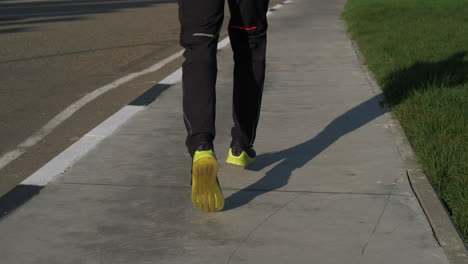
(329, 185)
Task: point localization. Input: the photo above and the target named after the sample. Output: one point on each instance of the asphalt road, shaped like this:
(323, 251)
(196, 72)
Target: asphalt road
(52, 53)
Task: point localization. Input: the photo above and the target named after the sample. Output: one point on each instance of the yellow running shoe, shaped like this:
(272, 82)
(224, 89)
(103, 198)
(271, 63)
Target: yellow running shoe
(240, 157)
(206, 192)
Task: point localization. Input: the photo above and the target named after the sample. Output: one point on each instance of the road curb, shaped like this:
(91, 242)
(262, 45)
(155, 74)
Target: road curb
(437, 214)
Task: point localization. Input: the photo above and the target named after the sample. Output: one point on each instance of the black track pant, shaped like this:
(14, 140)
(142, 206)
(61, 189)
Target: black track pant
(201, 21)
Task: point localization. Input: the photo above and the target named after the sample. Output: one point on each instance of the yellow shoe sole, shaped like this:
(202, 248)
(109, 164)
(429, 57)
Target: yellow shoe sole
(206, 192)
(242, 160)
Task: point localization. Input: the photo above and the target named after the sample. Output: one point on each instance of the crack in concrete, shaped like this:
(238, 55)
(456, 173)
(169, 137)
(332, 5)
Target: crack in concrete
(258, 226)
(387, 200)
(376, 225)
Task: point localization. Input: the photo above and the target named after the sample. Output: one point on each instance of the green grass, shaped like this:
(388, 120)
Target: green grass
(418, 51)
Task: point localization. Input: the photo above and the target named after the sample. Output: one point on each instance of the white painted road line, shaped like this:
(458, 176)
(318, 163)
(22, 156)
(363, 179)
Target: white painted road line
(58, 165)
(72, 154)
(77, 105)
(223, 43)
(10, 156)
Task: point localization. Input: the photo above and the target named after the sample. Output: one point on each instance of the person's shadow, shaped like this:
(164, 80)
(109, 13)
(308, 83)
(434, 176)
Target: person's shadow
(400, 84)
(297, 156)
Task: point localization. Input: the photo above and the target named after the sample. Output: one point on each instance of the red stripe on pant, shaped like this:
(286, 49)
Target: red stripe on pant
(244, 28)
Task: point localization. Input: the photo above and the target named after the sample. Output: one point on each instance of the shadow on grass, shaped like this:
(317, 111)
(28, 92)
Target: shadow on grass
(297, 156)
(447, 73)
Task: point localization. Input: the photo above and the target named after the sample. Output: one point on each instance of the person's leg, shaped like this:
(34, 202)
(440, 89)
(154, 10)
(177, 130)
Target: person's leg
(248, 34)
(200, 25)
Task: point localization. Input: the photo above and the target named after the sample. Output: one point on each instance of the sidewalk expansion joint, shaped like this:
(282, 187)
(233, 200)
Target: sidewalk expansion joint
(229, 189)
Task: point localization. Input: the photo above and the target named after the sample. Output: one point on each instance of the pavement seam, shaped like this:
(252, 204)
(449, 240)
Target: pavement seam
(226, 188)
